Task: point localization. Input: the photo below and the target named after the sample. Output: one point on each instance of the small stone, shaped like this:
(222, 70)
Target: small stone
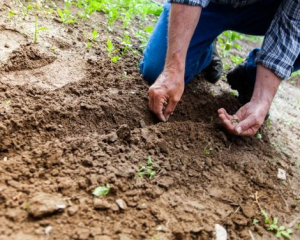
(72, 210)
(221, 233)
(114, 207)
(48, 230)
(112, 137)
(101, 204)
(142, 206)
(122, 204)
(281, 174)
(43, 204)
(142, 124)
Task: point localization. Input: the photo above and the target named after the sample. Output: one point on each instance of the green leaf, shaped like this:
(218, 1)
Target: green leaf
(42, 29)
(101, 190)
(255, 221)
(110, 46)
(149, 162)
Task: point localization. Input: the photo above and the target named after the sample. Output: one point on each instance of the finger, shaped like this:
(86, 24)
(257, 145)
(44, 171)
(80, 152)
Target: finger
(247, 127)
(170, 108)
(158, 108)
(223, 112)
(150, 101)
(229, 126)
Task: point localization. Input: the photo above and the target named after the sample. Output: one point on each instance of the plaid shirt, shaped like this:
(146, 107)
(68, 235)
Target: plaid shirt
(281, 44)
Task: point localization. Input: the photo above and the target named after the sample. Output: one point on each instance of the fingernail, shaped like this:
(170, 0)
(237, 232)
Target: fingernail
(167, 118)
(239, 129)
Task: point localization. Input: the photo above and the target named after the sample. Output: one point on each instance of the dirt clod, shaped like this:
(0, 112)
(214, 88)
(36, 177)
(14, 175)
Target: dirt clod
(43, 204)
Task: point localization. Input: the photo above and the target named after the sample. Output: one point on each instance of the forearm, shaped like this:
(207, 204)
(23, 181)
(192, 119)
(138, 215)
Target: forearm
(182, 24)
(266, 86)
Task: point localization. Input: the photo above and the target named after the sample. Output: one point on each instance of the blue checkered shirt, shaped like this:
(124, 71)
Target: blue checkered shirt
(281, 45)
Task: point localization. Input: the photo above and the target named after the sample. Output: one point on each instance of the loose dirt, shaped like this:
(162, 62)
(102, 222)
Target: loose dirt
(70, 120)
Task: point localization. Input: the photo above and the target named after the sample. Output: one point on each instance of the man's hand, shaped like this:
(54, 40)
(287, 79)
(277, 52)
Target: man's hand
(247, 120)
(251, 116)
(167, 90)
(165, 93)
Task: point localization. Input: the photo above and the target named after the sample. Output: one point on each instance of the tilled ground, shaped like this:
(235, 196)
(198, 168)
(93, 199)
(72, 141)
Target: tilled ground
(77, 121)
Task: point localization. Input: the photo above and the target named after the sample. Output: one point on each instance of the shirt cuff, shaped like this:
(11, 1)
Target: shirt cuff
(282, 69)
(202, 3)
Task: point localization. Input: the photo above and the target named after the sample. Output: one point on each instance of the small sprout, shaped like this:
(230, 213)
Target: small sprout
(147, 170)
(280, 231)
(255, 221)
(207, 152)
(88, 45)
(258, 135)
(37, 30)
(95, 35)
(265, 215)
(101, 190)
(111, 50)
(233, 93)
(12, 13)
(269, 124)
(298, 224)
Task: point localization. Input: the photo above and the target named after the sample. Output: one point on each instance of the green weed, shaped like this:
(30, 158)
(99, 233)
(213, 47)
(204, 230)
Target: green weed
(111, 52)
(226, 42)
(37, 29)
(208, 149)
(280, 231)
(258, 135)
(65, 16)
(95, 35)
(147, 170)
(101, 190)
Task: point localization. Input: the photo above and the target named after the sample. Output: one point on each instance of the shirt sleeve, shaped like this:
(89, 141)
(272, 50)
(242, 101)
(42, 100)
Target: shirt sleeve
(202, 3)
(281, 45)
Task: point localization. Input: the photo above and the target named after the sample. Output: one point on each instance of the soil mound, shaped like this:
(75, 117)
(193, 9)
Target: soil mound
(27, 57)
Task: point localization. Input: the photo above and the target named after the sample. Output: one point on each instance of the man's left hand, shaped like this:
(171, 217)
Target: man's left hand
(247, 120)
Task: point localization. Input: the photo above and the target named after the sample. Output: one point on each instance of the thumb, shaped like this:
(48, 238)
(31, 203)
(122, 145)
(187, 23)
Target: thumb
(170, 109)
(246, 127)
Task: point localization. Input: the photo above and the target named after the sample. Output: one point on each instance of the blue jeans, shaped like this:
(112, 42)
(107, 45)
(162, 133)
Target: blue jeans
(254, 19)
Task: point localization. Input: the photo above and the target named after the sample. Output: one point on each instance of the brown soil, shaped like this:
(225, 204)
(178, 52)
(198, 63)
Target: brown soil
(77, 121)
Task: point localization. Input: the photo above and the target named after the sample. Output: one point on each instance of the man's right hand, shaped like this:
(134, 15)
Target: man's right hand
(165, 93)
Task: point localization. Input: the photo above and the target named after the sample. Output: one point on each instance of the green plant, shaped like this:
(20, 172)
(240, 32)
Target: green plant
(88, 45)
(95, 35)
(255, 221)
(258, 135)
(111, 50)
(147, 170)
(236, 59)
(280, 231)
(65, 16)
(207, 150)
(227, 41)
(12, 13)
(37, 30)
(101, 190)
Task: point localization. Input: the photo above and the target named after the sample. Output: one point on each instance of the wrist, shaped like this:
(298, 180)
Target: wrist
(175, 62)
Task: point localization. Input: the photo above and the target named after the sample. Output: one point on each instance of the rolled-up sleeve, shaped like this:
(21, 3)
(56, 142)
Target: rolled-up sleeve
(202, 3)
(281, 45)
